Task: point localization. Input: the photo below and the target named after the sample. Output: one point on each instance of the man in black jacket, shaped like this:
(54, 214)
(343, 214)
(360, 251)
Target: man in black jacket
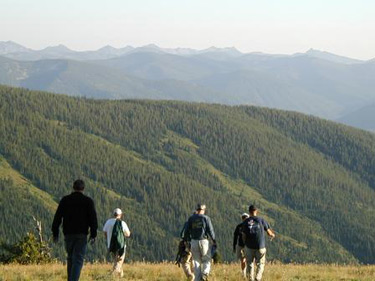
(77, 213)
(238, 244)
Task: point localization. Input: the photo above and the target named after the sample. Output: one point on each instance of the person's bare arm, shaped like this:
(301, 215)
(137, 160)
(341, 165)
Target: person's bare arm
(271, 233)
(105, 234)
(127, 233)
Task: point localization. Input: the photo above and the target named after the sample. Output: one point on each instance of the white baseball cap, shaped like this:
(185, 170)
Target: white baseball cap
(245, 215)
(117, 211)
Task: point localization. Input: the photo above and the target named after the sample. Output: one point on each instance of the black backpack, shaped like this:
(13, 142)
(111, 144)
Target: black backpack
(253, 230)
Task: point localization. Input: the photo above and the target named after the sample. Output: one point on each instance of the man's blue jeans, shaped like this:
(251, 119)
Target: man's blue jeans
(75, 245)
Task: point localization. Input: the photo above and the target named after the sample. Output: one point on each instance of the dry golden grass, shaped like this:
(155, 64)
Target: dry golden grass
(170, 272)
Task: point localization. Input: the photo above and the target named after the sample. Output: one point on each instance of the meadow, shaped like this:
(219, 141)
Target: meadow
(170, 272)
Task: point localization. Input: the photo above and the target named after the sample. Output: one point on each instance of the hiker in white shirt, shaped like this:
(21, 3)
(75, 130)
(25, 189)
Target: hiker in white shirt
(116, 240)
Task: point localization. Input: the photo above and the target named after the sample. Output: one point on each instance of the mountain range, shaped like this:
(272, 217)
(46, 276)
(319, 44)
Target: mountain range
(316, 82)
(16, 51)
(312, 179)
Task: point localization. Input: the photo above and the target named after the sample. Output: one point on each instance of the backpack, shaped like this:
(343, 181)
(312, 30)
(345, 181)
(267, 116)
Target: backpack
(253, 231)
(117, 244)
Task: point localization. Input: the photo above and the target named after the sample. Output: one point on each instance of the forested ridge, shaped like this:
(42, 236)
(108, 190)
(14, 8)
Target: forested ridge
(314, 180)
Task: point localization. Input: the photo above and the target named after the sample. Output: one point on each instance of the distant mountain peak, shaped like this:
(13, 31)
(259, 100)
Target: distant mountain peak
(111, 51)
(7, 47)
(329, 56)
(212, 48)
(146, 48)
(233, 49)
(313, 51)
(9, 42)
(107, 47)
(152, 46)
(59, 48)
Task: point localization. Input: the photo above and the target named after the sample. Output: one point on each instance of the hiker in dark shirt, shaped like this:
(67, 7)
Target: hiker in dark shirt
(238, 244)
(77, 214)
(199, 229)
(253, 231)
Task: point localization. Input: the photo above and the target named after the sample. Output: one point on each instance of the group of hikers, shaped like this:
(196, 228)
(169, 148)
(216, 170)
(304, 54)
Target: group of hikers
(249, 244)
(77, 214)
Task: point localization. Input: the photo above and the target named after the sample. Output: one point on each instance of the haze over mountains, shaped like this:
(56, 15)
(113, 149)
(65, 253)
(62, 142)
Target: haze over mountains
(363, 118)
(315, 82)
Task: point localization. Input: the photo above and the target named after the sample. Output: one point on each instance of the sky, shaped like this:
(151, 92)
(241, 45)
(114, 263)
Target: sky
(344, 27)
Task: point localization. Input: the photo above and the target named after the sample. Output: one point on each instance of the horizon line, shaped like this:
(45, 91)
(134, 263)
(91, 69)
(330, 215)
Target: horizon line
(186, 48)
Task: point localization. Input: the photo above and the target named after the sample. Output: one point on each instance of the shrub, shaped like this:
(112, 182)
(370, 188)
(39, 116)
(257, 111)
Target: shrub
(27, 251)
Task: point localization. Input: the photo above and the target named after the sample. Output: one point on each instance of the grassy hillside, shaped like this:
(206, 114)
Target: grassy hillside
(313, 179)
(170, 272)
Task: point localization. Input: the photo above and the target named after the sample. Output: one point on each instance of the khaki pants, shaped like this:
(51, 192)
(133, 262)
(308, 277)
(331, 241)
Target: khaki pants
(117, 264)
(257, 256)
(201, 251)
(186, 266)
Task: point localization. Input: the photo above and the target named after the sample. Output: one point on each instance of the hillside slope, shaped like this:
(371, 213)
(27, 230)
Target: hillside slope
(90, 80)
(20, 200)
(156, 160)
(255, 87)
(363, 118)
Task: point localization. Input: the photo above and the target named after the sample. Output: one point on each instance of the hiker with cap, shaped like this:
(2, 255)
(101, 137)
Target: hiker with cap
(77, 214)
(115, 231)
(253, 235)
(198, 230)
(238, 244)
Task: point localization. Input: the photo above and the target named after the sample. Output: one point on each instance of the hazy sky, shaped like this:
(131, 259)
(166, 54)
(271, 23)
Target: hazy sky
(345, 27)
